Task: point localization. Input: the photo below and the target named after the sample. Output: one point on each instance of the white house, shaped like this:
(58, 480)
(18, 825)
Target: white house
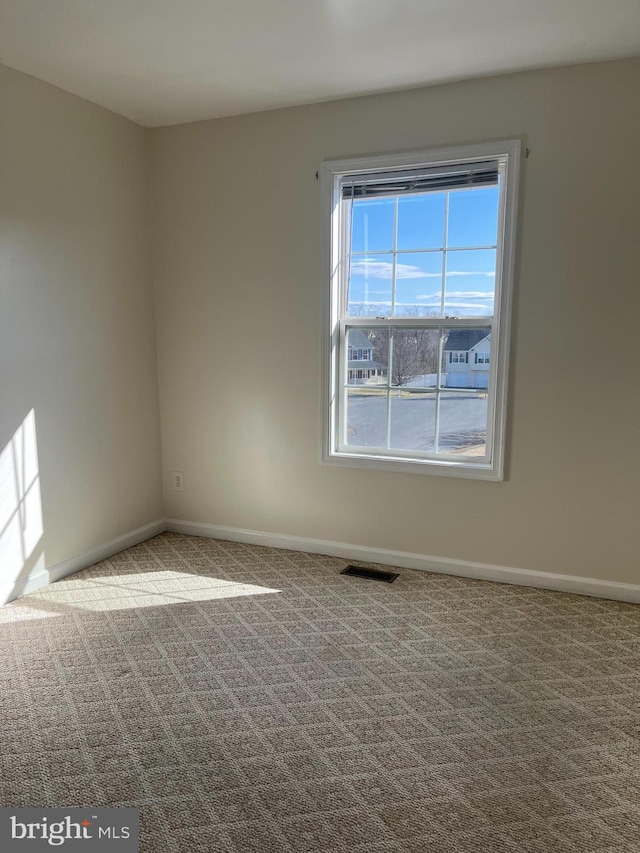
(362, 369)
(467, 354)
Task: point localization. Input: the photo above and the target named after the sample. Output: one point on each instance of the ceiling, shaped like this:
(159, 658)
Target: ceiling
(168, 61)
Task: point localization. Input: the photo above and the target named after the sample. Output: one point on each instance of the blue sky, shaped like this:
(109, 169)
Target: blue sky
(470, 272)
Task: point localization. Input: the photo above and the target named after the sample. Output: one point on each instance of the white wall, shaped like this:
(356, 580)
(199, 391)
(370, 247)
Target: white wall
(77, 343)
(237, 271)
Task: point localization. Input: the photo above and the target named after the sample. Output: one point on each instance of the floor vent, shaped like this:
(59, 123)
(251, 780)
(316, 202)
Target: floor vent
(370, 574)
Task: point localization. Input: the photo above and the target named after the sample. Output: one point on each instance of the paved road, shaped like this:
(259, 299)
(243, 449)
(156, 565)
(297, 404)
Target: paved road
(463, 419)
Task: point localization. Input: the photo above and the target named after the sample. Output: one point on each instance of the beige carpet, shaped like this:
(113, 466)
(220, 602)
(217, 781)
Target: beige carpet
(250, 699)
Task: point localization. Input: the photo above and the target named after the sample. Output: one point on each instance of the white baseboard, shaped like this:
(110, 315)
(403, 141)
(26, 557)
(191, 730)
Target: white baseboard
(43, 577)
(480, 571)
(445, 565)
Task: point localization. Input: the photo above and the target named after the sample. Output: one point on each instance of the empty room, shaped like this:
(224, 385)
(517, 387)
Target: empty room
(319, 426)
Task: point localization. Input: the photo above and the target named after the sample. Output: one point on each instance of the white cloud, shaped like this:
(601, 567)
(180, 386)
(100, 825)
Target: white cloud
(373, 268)
(475, 305)
(490, 274)
(468, 294)
(384, 269)
(458, 294)
(468, 309)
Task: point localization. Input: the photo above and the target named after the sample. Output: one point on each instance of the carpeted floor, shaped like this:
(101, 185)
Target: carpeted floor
(249, 699)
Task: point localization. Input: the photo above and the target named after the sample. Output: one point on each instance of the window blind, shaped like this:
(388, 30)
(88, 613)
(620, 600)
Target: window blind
(432, 179)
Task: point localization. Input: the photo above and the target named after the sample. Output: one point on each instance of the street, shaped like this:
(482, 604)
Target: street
(463, 420)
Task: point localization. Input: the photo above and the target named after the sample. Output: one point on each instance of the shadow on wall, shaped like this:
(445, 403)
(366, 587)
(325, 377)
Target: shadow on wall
(21, 527)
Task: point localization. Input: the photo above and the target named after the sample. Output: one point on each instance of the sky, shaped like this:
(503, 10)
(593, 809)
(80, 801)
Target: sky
(428, 260)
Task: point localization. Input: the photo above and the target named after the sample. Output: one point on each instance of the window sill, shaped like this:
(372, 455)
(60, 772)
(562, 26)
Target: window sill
(437, 467)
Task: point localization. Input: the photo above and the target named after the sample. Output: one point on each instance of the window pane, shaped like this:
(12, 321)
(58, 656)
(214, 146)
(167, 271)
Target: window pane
(421, 221)
(459, 367)
(413, 420)
(367, 356)
(366, 417)
(418, 284)
(473, 217)
(372, 225)
(370, 285)
(470, 283)
(463, 423)
(414, 357)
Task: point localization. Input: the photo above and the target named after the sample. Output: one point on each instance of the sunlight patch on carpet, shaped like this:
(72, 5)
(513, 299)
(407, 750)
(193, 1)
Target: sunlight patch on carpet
(147, 589)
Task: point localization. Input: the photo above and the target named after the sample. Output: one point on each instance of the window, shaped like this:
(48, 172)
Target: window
(359, 354)
(419, 260)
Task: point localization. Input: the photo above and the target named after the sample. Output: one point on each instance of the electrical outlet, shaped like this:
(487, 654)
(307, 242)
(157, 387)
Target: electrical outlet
(178, 481)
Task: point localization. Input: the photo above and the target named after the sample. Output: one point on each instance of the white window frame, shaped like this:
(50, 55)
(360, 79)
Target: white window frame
(491, 467)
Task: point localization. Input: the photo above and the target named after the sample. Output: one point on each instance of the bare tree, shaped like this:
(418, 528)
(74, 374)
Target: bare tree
(413, 352)
(362, 309)
(405, 361)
